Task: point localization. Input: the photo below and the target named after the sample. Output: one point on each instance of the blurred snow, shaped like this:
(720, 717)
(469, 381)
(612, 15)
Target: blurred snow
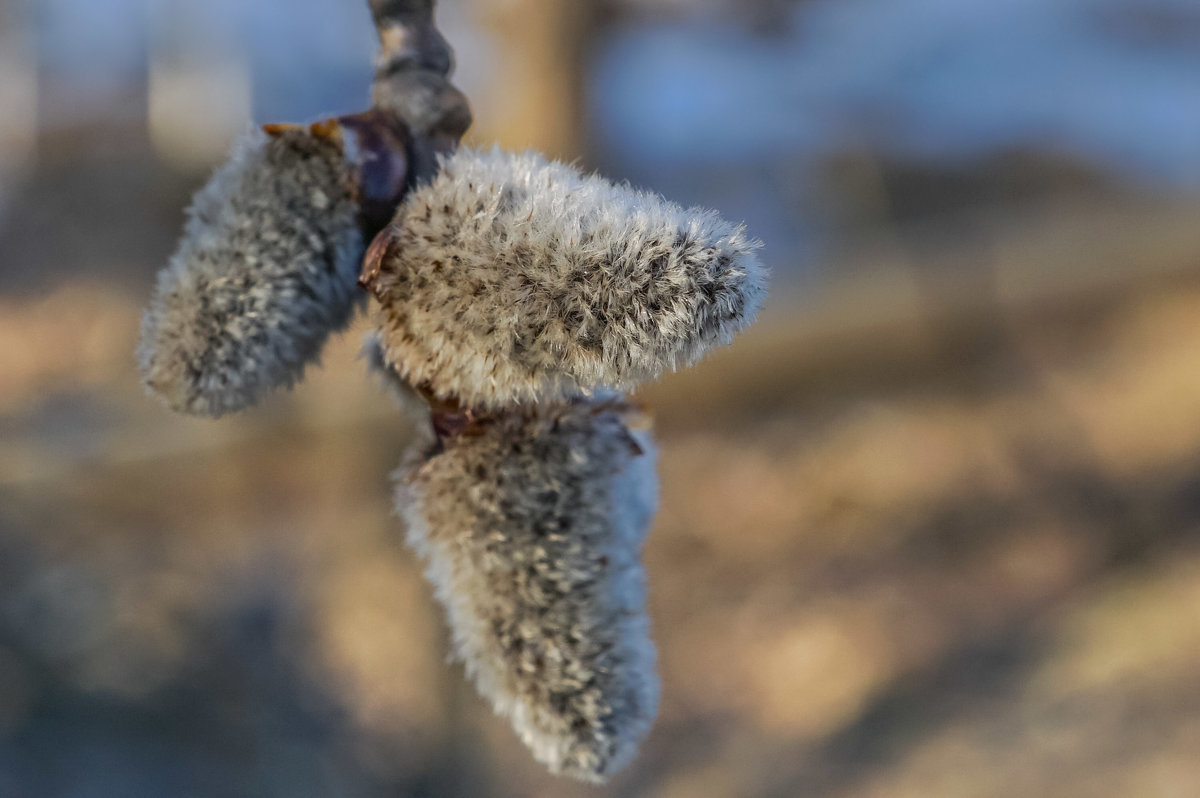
(92, 51)
(1115, 82)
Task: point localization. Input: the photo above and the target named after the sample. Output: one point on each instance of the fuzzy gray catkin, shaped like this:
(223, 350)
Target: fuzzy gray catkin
(266, 269)
(513, 279)
(531, 524)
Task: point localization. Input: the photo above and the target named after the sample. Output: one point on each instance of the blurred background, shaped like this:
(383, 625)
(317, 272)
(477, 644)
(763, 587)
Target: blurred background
(931, 529)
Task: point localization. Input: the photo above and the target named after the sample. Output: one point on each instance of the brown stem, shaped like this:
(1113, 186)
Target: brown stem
(385, 10)
(409, 37)
(412, 80)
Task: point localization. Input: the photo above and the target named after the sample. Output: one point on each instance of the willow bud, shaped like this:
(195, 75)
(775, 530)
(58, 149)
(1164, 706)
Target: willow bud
(510, 279)
(531, 523)
(267, 265)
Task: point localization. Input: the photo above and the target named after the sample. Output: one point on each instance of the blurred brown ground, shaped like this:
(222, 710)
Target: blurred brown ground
(921, 536)
(930, 530)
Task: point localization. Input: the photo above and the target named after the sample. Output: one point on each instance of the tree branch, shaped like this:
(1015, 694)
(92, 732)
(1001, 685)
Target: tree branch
(412, 79)
(384, 10)
(409, 37)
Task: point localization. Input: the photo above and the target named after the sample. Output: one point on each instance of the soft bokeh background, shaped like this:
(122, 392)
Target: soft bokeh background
(931, 529)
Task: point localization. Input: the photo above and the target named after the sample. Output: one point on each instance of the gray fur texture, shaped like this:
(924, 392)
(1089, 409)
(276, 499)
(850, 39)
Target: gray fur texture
(265, 271)
(531, 525)
(513, 279)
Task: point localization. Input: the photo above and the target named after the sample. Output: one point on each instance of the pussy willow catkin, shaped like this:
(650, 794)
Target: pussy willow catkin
(512, 278)
(531, 524)
(264, 272)
(516, 299)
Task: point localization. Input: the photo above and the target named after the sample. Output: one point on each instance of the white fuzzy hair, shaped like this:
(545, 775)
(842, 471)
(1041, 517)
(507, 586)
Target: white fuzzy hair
(531, 527)
(265, 270)
(510, 278)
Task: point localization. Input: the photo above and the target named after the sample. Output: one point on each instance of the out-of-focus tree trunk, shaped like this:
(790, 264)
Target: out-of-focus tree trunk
(18, 98)
(539, 83)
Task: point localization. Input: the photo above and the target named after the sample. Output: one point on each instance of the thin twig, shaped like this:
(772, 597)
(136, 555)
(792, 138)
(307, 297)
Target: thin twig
(412, 80)
(409, 37)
